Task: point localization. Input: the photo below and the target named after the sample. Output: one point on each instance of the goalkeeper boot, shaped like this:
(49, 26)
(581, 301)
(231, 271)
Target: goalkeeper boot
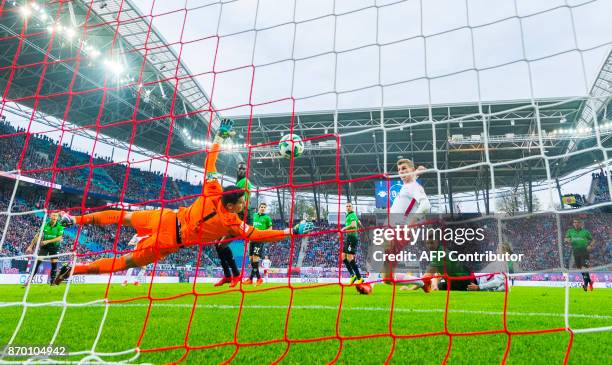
(359, 282)
(223, 280)
(63, 274)
(248, 282)
(352, 280)
(259, 282)
(235, 281)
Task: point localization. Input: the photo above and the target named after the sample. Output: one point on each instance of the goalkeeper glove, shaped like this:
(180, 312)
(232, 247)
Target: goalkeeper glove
(225, 130)
(303, 228)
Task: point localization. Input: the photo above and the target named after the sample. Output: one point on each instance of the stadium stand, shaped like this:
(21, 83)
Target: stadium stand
(599, 188)
(106, 181)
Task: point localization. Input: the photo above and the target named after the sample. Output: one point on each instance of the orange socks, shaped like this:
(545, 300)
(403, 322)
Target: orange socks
(105, 217)
(101, 266)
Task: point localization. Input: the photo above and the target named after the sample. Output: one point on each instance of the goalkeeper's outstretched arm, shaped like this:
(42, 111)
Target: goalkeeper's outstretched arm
(270, 235)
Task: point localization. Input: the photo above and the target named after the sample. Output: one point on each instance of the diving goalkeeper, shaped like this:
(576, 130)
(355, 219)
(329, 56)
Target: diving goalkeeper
(212, 217)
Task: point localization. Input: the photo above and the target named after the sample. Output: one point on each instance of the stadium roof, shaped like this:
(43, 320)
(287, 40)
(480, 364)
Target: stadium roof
(512, 130)
(109, 71)
(457, 129)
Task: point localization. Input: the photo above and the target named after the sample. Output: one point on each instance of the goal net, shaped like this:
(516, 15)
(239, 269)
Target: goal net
(114, 105)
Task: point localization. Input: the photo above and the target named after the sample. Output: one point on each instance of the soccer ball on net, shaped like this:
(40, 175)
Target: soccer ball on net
(291, 143)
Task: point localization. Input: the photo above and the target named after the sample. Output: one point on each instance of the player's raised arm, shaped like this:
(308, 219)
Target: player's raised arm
(420, 170)
(211, 186)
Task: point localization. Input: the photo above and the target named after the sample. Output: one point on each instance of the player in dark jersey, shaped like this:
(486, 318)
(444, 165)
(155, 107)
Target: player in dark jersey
(263, 222)
(351, 242)
(443, 266)
(231, 274)
(582, 243)
(53, 233)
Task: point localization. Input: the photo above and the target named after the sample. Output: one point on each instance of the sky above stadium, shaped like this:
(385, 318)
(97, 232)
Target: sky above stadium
(372, 53)
(368, 54)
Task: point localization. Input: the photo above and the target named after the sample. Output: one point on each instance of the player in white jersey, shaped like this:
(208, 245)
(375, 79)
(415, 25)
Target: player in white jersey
(265, 265)
(496, 280)
(410, 204)
(140, 277)
(491, 282)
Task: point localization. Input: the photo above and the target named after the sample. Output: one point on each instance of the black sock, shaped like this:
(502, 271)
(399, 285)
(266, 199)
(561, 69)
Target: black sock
(229, 259)
(356, 269)
(256, 269)
(232, 264)
(349, 267)
(53, 271)
(226, 269)
(38, 262)
(586, 278)
(252, 275)
(224, 264)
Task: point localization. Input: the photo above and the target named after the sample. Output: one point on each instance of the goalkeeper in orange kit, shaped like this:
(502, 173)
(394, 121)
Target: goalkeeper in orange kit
(212, 217)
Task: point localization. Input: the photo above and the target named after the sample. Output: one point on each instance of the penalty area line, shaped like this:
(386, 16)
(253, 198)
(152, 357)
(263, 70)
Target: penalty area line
(344, 308)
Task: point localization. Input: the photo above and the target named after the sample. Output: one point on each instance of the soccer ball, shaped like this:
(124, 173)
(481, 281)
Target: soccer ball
(364, 288)
(289, 142)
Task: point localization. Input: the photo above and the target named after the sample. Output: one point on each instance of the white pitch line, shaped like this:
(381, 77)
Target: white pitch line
(328, 307)
(594, 329)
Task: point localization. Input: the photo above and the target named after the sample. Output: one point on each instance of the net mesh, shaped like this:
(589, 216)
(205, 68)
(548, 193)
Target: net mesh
(260, 57)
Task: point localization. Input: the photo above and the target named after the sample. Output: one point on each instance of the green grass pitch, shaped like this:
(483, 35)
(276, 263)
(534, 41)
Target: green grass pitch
(314, 314)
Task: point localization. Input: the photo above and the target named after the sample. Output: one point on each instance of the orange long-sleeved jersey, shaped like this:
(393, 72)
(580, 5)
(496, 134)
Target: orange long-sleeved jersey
(207, 220)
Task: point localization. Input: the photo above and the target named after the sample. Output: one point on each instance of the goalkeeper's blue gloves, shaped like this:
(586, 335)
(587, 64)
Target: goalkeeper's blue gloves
(225, 130)
(303, 228)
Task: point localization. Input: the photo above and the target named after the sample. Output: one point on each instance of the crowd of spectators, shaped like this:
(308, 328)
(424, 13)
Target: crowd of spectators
(77, 170)
(537, 237)
(601, 193)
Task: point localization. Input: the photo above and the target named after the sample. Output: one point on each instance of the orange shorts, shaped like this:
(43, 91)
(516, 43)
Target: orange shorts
(160, 227)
